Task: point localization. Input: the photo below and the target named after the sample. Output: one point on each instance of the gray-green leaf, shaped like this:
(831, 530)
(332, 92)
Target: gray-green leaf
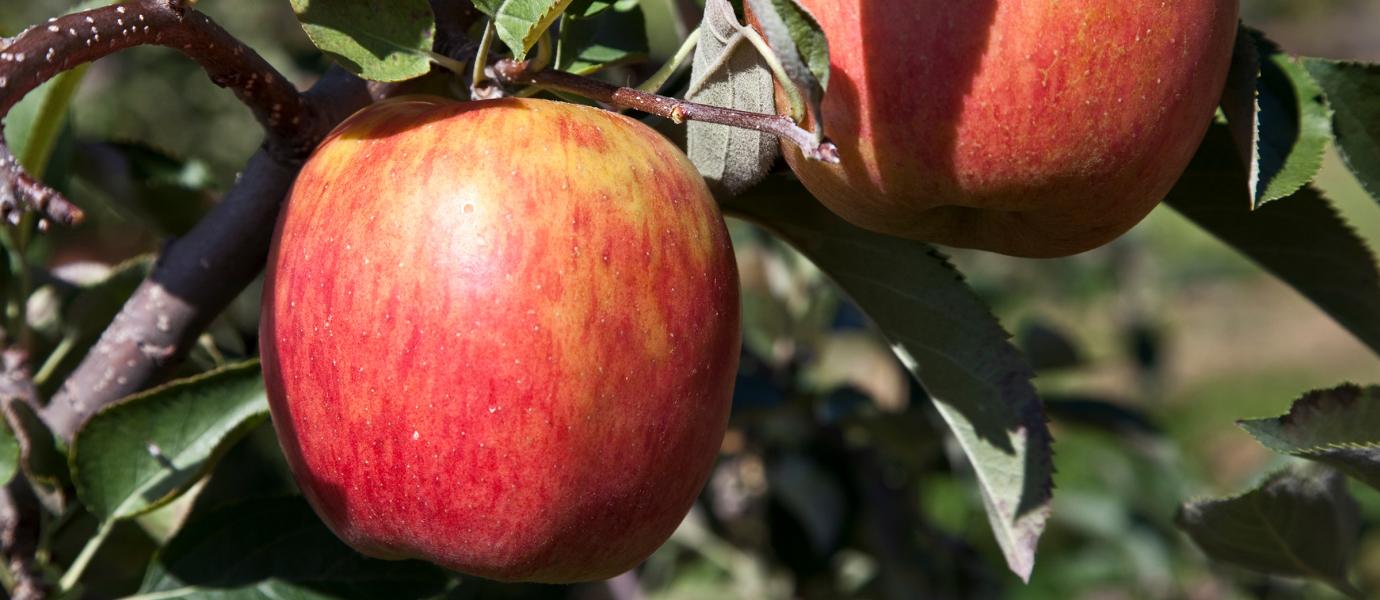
(948, 339)
(382, 40)
(728, 71)
(273, 549)
(1352, 90)
(1300, 524)
(1339, 427)
(1300, 239)
(799, 44)
(144, 451)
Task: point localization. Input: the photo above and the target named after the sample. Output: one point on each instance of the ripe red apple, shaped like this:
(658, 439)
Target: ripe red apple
(1027, 128)
(500, 336)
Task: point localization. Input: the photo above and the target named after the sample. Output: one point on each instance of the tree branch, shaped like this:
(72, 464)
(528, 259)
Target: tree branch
(678, 111)
(43, 51)
(20, 517)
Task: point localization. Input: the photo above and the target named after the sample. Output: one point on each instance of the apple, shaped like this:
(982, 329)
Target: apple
(500, 336)
(1035, 129)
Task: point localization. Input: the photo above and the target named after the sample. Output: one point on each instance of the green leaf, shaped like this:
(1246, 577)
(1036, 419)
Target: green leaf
(277, 548)
(1295, 125)
(1294, 524)
(39, 456)
(588, 44)
(1300, 239)
(382, 40)
(144, 451)
(488, 7)
(520, 23)
(947, 338)
(9, 453)
(1352, 90)
(1339, 427)
(728, 71)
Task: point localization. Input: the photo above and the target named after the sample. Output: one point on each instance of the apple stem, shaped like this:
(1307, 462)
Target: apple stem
(42, 52)
(678, 111)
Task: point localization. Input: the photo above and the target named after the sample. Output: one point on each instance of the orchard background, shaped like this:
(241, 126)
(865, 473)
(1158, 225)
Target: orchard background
(838, 478)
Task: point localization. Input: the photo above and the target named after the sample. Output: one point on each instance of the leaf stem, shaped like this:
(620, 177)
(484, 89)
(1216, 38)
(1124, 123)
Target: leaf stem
(658, 79)
(88, 552)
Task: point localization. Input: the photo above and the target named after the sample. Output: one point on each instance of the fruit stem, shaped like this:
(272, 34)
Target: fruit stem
(73, 574)
(481, 59)
(509, 71)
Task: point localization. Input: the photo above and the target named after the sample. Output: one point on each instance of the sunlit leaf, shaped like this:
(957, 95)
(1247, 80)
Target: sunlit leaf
(382, 40)
(144, 451)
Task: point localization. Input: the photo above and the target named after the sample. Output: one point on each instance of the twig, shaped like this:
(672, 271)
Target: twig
(20, 517)
(678, 111)
(43, 51)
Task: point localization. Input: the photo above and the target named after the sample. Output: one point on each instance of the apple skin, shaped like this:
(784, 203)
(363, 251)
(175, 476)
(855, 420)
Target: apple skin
(500, 336)
(1026, 127)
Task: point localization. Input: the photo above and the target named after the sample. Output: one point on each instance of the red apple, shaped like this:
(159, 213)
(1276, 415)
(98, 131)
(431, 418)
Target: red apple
(1028, 128)
(500, 336)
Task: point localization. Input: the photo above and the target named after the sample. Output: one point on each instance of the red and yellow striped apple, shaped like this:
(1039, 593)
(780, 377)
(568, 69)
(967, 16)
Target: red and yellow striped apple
(1030, 128)
(500, 336)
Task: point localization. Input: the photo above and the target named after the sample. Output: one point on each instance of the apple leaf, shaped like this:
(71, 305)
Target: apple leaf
(382, 40)
(587, 8)
(1241, 103)
(39, 456)
(144, 451)
(277, 548)
(9, 453)
(86, 315)
(727, 71)
(948, 339)
(488, 7)
(1294, 125)
(520, 23)
(1301, 239)
(1339, 427)
(1296, 523)
(608, 37)
(1352, 89)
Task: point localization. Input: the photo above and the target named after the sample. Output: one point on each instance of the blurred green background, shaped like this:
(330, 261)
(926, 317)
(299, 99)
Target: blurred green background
(1167, 324)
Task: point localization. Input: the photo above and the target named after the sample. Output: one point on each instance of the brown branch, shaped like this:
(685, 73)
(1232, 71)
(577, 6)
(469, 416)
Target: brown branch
(43, 51)
(678, 111)
(20, 517)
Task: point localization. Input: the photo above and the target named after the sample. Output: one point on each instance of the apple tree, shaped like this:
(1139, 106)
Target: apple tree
(181, 421)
